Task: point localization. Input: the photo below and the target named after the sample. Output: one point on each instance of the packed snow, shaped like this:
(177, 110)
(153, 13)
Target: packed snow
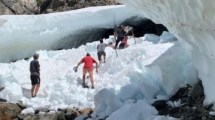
(192, 22)
(126, 85)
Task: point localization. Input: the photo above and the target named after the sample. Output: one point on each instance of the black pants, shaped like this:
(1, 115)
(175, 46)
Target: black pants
(35, 79)
(117, 41)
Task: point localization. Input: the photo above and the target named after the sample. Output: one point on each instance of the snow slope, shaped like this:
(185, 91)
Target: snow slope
(139, 74)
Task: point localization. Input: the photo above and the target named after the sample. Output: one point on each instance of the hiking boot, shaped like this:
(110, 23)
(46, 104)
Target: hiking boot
(34, 96)
(85, 86)
(92, 87)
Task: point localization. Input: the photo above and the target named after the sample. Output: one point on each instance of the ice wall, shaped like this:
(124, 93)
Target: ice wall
(193, 22)
(22, 35)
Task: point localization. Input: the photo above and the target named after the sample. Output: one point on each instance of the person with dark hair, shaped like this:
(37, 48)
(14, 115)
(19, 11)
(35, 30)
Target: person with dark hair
(101, 51)
(35, 75)
(120, 35)
(88, 68)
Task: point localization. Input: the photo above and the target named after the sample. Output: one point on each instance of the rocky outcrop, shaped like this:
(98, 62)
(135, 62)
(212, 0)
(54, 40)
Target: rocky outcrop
(8, 7)
(17, 6)
(4, 10)
(61, 114)
(186, 104)
(9, 111)
(65, 5)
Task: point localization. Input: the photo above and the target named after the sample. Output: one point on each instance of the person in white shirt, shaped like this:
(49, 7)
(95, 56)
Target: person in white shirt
(101, 51)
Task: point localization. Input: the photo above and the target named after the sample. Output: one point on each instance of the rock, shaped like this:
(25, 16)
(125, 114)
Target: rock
(9, 111)
(182, 92)
(209, 106)
(17, 6)
(3, 100)
(74, 115)
(159, 104)
(68, 116)
(28, 118)
(61, 117)
(21, 116)
(62, 110)
(47, 6)
(191, 107)
(196, 94)
(86, 111)
(50, 10)
(36, 112)
(21, 105)
(4, 10)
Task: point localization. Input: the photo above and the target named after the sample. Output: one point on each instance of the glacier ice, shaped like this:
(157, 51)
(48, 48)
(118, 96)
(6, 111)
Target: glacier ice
(192, 22)
(22, 35)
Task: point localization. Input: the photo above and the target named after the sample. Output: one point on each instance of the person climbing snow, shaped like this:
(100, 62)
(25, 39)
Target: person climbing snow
(119, 35)
(101, 51)
(88, 68)
(35, 75)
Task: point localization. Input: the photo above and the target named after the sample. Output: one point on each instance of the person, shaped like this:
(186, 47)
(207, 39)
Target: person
(88, 68)
(115, 31)
(35, 75)
(120, 35)
(124, 43)
(101, 51)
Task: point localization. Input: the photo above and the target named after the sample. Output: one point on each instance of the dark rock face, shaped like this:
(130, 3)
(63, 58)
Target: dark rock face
(9, 7)
(64, 5)
(17, 6)
(191, 107)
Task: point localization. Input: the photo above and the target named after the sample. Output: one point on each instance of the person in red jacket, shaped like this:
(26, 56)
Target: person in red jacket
(88, 68)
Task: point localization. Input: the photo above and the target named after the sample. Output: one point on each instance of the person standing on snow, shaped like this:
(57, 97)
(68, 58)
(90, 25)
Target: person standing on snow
(88, 68)
(101, 51)
(35, 75)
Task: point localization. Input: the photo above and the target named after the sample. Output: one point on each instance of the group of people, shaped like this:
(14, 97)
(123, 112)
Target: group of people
(88, 61)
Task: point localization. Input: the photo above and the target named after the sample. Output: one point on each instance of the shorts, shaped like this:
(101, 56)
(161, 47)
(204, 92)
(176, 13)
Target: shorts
(88, 70)
(35, 79)
(100, 55)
